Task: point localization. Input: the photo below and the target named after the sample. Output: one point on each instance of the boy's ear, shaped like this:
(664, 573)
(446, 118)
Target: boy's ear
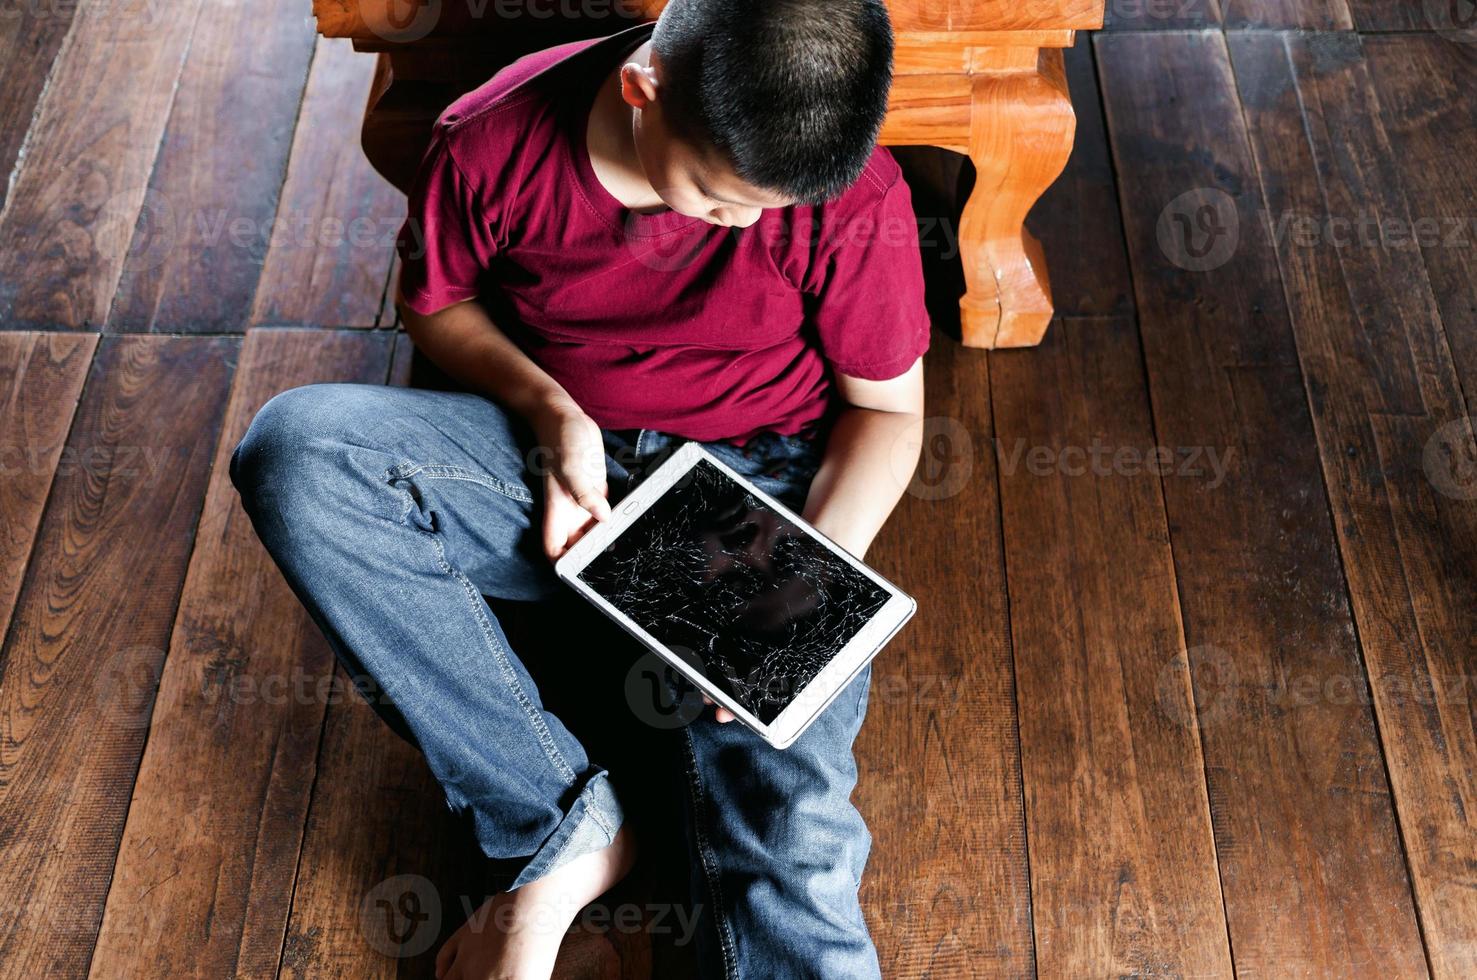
(639, 85)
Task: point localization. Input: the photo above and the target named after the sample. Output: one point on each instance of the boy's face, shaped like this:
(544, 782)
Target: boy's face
(696, 181)
(692, 179)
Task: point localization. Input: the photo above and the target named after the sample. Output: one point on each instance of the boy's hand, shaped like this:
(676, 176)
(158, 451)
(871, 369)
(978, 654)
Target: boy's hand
(722, 714)
(575, 489)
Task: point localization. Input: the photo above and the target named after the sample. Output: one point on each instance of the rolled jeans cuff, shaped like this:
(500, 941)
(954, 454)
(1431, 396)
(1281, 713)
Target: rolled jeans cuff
(590, 825)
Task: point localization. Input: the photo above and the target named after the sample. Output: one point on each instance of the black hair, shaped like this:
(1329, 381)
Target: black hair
(791, 92)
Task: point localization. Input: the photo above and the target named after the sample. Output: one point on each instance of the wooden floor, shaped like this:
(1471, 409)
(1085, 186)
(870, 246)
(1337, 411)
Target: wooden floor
(1190, 690)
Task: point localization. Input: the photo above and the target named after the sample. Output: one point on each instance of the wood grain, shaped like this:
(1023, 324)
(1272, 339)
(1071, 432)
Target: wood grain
(337, 219)
(71, 213)
(947, 891)
(41, 376)
(1307, 15)
(1123, 864)
(210, 852)
(932, 110)
(1373, 349)
(30, 37)
(88, 637)
(1077, 220)
(378, 831)
(1411, 15)
(1310, 858)
(1424, 85)
(1020, 136)
(1163, 15)
(193, 265)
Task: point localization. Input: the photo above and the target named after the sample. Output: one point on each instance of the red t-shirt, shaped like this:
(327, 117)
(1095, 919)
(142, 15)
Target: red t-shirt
(656, 320)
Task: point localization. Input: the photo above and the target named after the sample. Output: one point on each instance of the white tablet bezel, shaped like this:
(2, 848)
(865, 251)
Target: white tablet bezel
(826, 685)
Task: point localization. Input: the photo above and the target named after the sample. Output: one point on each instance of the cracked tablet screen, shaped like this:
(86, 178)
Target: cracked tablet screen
(723, 579)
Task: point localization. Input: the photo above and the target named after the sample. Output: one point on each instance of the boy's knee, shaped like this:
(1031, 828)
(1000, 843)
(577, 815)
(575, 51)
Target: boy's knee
(285, 431)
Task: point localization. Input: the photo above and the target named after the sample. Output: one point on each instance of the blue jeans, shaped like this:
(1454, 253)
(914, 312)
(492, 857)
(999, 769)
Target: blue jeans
(392, 512)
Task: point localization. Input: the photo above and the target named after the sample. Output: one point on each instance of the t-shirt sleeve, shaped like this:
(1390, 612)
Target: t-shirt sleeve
(446, 242)
(869, 312)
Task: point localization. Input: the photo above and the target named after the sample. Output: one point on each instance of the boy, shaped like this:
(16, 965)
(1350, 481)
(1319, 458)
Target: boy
(682, 231)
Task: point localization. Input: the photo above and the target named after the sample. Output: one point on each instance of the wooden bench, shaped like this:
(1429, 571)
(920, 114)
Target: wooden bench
(981, 77)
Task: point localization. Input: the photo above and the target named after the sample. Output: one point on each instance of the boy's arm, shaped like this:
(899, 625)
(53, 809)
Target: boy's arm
(870, 456)
(463, 341)
(869, 460)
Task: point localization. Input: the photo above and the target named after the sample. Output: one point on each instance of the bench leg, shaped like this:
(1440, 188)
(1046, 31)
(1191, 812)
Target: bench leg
(1021, 131)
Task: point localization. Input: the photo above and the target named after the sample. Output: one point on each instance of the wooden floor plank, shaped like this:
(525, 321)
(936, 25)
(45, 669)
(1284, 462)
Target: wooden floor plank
(947, 892)
(1306, 15)
(205, 872)
(1311, 865)
(336, 223)
(88, 637)
(1123, 865)
(193, 264)
(41, 377)
(1077, 220)
(31, 34)
(1162, 15)
(1448, 16)
(82, 185)
(1373, 350)
(377, 891)
(1425, 86)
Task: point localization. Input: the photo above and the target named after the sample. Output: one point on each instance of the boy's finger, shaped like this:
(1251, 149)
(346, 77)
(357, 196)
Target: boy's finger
(553, 547)
(594, 501)
(722, 714)
(587, 494)
(446, 954)
(556, 535)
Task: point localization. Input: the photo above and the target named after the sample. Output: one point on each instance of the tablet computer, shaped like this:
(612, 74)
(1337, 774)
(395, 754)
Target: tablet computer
(760, 611)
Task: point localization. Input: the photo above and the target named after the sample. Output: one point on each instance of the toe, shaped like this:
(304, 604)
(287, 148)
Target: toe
(447, 955)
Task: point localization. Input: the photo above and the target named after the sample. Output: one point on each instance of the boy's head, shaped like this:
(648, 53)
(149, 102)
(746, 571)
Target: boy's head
(761, 103)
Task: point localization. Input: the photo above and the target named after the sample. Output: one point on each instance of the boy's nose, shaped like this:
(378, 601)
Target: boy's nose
(743, 217)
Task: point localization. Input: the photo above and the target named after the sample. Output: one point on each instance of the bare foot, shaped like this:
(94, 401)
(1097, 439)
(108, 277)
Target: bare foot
(515, 935)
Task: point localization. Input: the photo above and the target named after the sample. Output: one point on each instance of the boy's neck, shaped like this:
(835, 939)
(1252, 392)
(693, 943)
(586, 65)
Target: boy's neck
(612, 145)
